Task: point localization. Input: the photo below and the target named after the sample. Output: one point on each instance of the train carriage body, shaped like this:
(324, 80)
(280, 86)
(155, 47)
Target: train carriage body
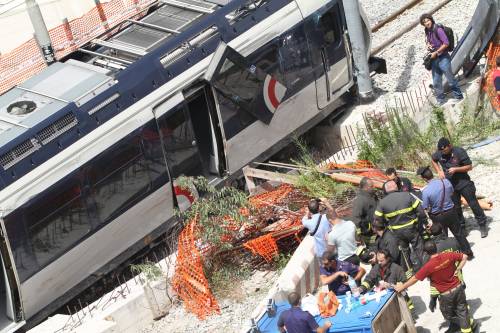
(90, 147)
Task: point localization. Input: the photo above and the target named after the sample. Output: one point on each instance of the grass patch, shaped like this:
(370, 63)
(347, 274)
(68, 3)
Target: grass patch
(225, 278)
(398, 142)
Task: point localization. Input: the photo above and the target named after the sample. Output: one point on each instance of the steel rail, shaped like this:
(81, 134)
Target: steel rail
(394, 15)
(406, 29)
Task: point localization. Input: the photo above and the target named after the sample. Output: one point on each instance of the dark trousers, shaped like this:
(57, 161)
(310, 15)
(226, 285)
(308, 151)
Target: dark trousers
(409, 236)
(354, 259)
(469, 193)
(453, 306)
(450, 220)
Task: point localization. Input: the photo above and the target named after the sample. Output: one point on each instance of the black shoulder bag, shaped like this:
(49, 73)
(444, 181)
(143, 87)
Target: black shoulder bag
(317, 225)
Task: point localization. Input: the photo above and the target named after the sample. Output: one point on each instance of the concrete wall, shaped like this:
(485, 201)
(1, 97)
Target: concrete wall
(127, 309)
(301, 275)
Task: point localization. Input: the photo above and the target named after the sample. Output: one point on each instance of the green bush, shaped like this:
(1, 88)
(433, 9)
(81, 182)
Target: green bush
(398, 142)
(314, 182)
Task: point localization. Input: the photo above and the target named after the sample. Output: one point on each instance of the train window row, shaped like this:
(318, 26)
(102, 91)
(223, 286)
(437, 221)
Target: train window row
(80, 204)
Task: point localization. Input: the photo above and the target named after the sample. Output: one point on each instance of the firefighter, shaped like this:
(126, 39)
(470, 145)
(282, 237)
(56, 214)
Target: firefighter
(385, 274)
(443, 273)
(362, 211)
(437, 200)
(454, 163)
(385, 241)
(401, 212)
(443, 244)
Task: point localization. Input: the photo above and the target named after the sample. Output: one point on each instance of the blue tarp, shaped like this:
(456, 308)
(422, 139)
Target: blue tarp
(342, 322)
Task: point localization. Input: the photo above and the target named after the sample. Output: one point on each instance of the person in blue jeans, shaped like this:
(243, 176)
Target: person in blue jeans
(437, 44)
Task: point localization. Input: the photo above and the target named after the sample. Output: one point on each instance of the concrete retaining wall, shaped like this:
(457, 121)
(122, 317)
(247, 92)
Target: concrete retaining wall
(301, 274)
(127, 309)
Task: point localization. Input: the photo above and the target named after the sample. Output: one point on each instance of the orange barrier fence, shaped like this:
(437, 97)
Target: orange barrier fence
(265, 246)
(489, 86)
(26, 60)
(189, 281)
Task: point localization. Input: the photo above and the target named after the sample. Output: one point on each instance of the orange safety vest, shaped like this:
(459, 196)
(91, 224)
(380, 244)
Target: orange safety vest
(329, 309)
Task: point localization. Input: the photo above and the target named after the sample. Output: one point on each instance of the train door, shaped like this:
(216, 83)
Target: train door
(329, 51)
(11, 311)
(248, 93)
(189, 145)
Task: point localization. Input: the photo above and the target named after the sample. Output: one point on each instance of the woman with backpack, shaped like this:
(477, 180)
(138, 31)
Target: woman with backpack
(438, 43)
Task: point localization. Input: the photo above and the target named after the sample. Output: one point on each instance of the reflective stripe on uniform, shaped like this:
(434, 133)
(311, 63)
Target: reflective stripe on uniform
(394, 227)
(415, 204)
(399, 212)
(434, 291)
(359, 250)
(409, 304)
(466, 330)
(377, 213)
(366, 285)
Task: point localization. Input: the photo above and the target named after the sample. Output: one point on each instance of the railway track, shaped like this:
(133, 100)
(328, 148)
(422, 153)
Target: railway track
(392, 22)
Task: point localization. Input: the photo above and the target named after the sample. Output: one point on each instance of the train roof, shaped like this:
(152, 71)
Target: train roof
(67, 100)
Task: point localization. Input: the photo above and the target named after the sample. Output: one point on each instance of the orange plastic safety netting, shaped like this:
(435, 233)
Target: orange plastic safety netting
(265, 246)
(26, 60)
(271, 197)
(369, 169)
(489, 86)
(189, 281)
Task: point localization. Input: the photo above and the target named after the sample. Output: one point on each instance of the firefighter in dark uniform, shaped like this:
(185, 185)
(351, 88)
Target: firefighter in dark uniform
(442, 269)
(437, 200)
(443, 244)
(401, 211)
(385, 241)
(385, 274)
(454, 163)
(362, 211)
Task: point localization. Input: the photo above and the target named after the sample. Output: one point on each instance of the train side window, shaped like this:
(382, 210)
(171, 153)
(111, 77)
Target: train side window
(118, 178)
(154, 160)
(329, 26)
(48, 226)
(295, 57)
(244, 87)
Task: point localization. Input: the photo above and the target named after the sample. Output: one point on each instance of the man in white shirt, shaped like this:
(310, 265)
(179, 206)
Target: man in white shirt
(342, 238)
(318, 226)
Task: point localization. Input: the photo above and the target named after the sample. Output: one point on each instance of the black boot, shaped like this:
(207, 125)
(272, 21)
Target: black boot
(484, 231)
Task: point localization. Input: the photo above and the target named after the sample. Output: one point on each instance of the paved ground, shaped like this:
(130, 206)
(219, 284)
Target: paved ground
(481, 274)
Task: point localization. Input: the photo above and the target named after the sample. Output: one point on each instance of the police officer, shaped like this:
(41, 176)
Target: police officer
(454, 163)
(437, 200)
(401, 212)
(363, 209)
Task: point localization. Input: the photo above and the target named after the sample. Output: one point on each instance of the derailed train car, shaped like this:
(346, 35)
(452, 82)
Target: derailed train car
(91, 146)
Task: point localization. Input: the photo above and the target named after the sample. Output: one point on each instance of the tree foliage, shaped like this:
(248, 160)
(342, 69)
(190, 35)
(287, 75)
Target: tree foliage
(218, 211)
